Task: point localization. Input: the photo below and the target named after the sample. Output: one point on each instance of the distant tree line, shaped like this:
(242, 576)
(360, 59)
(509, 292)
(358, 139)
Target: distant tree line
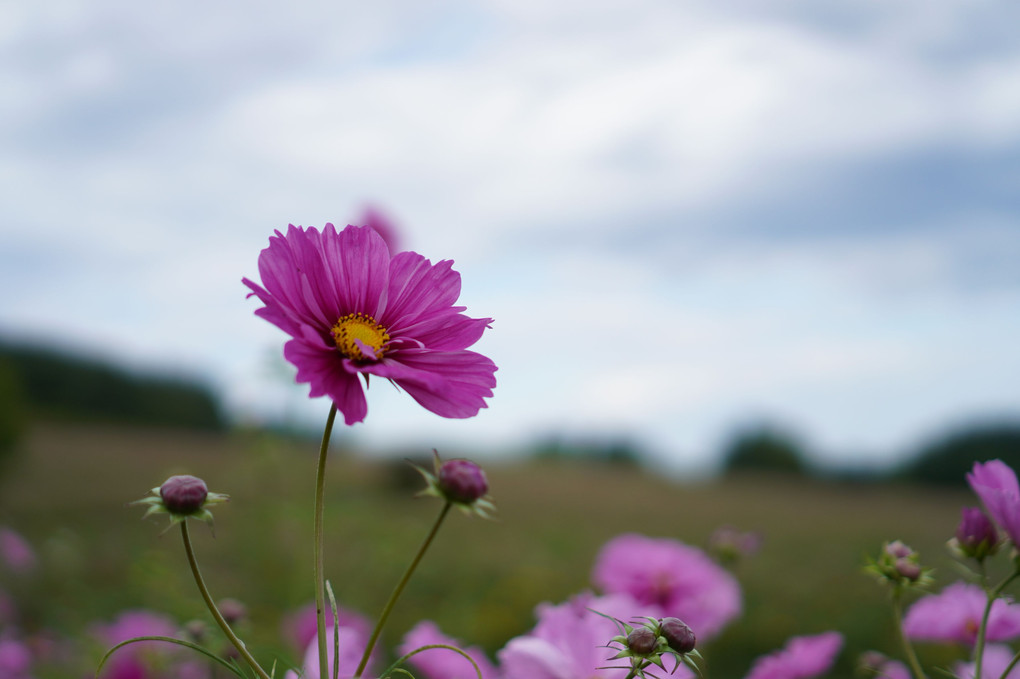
(44, 383)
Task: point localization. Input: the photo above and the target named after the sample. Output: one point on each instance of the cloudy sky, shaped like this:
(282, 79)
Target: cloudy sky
(684, 216)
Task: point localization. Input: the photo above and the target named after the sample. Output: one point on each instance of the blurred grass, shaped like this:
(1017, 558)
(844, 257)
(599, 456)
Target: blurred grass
(481, 580)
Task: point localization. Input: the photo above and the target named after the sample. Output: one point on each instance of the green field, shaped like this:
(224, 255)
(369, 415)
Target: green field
(67, 491)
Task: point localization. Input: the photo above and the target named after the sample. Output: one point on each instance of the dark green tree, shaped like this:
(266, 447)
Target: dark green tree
(764, 448)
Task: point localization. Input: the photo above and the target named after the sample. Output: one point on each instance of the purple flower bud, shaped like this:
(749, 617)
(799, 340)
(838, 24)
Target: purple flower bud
(642, 641)
(183, 494)
(678, 635)
(908, 570)
(898, 550)
(976, 535)
(232, 610)
(462, 481)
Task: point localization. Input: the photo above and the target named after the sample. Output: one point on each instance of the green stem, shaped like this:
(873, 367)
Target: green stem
(908, 648)
(399, 589)
(1010, 666)
(238, 644)
(320, 578)
(979, 647)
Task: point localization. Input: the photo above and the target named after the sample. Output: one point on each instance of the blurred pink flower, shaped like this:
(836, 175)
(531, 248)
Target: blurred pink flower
(352, 309)
(681, 580)
(15, 659)
(996, 484)
(15, 551)
(440, 663)
(129, 662)
(352, 645)
(996, 660)
(569, 641)
(954, 615)
(802, 657)
(300, 626)
(372, 217)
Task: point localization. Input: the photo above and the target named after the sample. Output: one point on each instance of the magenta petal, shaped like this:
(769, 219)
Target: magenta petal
(996, 484)
(442, 663)
(324, 372)
(418, 289)
(801, 658)
(449, 332)
(358, 261)
(468, 379)
(954, 614)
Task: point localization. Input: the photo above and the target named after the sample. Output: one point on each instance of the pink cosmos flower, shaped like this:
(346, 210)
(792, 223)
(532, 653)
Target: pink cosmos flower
(15, 659)
(352, 309)
(352, 645)
(441, 663)
(15, 551)
(802, 657)
(996, 484)
(301, 627)
(954, 615)
(996, 660)
(569, 641)
(129, 662)
(681, 580)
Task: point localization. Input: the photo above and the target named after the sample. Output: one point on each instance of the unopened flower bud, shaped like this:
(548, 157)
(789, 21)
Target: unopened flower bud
(898, 550)
(642, 641)
(678, 635)
(195, 630)
(976, 535)
(462, 481)
(908, 569)
(232, 610)
(183, 494)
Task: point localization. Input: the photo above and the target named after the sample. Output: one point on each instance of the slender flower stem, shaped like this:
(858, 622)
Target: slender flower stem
(1010, 666)
(908, 648)
(399, 589)
(238, 644)
(979, 647)
(320, 578)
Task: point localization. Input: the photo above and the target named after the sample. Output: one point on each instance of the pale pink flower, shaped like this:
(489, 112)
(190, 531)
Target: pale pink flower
(996, 659)
(352, 645)
(954, 615)
(996, 484)
(15, 551)
(300, 627)
(130, 662)
(801, 658)
(441, 663)
(569, 641)
(682, 581)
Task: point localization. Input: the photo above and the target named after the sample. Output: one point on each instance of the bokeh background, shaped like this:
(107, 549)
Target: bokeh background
(714, 236)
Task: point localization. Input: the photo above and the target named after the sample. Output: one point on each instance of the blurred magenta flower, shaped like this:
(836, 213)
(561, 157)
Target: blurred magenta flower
(130, 662)
(352, 645)
(440, 663)
(954, 615)
(802, 657)
(351, 309)
(682, 581)
(15, 551)
(299, 627)
(976, 536)
(15, 659)
(381, 223)
(569, 641)
(873, 663)
(996, 659)
(996, 484)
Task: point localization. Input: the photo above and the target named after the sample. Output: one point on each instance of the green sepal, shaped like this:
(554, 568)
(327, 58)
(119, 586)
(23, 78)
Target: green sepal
(482, 507)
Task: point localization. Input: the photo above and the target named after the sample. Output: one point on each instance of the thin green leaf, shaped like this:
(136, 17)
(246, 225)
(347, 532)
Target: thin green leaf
(336, 631)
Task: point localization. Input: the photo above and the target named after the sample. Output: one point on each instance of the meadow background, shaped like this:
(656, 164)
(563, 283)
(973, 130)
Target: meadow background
(67, 478)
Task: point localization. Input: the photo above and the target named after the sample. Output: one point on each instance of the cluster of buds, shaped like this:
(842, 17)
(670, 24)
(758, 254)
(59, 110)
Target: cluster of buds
(900, 565)
(976, 537)
(182, 497)
(646, 644)
(462, 483)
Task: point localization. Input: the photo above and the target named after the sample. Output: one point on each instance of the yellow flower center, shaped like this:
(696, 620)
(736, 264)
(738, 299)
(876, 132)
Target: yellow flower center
(355, 329)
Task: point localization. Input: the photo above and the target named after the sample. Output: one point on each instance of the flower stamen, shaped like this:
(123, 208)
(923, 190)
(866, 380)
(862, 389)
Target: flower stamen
(359, 337)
